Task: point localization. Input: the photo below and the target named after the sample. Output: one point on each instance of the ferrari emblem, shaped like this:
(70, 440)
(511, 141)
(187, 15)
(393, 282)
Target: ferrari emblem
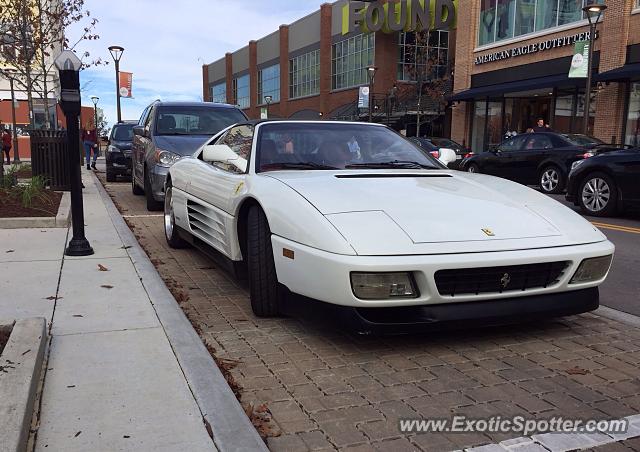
(488, 232)
(505, 280)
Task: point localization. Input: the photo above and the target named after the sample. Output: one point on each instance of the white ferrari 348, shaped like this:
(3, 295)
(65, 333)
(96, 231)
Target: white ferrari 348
(355, 215)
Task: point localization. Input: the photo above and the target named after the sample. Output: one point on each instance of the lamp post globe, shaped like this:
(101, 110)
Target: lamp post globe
(116, 53)
(69, 65)
(268, 100)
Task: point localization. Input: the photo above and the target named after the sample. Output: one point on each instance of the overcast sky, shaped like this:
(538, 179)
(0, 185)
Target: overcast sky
(166, 43)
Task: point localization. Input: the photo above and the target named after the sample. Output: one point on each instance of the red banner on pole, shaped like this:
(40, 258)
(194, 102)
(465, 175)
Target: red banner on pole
(125, 84)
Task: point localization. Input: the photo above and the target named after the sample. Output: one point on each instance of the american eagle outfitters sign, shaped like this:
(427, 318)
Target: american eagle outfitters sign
(541, 46)
(403, 15)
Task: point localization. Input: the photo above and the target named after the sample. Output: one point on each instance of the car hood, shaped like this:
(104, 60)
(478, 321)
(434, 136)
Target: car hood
(182, 144)
(400, 212)
(122, 145)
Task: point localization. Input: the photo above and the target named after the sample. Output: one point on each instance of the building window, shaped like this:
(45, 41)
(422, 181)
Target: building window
(506, 19)
(269, 84)
(219, 93)
(304, 75)
(633, 117)
(350, 59)
(241, 91)
(424, 53)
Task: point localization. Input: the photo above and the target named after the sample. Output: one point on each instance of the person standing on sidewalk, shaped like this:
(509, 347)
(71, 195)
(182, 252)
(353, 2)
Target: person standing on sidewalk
(90, 142)
(6, 145)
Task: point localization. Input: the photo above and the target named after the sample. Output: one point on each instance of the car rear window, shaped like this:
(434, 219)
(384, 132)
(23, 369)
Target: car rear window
(123, 132)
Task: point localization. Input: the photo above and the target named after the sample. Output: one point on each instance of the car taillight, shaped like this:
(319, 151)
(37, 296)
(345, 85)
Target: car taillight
(435, 154)
(469, 155)
(586, 155)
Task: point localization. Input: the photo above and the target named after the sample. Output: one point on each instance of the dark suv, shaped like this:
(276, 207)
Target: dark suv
(118, 154)
(169, 131)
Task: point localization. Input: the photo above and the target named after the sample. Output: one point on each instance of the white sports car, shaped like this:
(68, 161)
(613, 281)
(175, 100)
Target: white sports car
(355, 215)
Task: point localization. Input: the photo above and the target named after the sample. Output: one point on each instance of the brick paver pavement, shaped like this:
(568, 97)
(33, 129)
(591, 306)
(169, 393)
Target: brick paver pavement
(328, 389)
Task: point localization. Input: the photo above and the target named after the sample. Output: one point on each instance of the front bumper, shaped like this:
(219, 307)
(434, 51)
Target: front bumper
(119, 163)
(158, 176)
(325, 276)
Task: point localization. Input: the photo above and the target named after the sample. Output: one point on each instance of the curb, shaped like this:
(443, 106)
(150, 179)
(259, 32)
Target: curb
(618, 316)
(21, 362)
(61, 220)
(222, 413)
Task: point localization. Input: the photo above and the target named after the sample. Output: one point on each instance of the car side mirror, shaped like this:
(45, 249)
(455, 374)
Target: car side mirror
(447, 156)
(140, 131)
(221, 153)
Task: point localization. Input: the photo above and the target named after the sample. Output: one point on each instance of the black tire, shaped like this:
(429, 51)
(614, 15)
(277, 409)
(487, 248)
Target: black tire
(552, 180)
(152, 204)
(263, 281)
(473, 168)
(111, 177)
(598, 195)
(170, 230)
(135, 189)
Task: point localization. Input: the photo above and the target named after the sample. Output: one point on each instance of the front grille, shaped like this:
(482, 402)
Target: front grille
(513, 278)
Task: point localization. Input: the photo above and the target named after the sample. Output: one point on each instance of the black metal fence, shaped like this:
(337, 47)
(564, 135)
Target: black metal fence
(50, 158)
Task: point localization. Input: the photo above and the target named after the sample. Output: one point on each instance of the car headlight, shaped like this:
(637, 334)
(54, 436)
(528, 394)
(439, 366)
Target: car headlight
(112, 148)
(383, 286)
(166, 158)
(593, 269)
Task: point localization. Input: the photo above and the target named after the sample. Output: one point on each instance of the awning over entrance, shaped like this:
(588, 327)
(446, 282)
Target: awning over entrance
(551, 81)
(626, 72)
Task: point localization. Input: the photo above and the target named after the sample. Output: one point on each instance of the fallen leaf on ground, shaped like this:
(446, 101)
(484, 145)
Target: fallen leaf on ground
(102, 268)
(77, 434)
(78, 315)
(51, 298)
(106, 286)
(26, 352)
(10, 251)
(578, 371)
(126, 247)
(71, 386)
(126, 436)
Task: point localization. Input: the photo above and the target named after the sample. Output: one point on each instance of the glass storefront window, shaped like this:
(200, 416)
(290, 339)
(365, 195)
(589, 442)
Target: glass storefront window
(506, 19)
(269, 83)
(241, 91)
(304, 75)
(633, 118)
(350, 59)
(423, 53)
(479, 125)
(563, 118)
(219, 93)
(494, 123)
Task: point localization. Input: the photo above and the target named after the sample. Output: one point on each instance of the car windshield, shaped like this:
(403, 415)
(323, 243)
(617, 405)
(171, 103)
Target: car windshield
(334, 146)
(123, 132)
(197, 120)
(583, 140)
(445, 143)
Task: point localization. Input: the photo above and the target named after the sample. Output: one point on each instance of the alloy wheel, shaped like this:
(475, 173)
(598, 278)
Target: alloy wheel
(596, 194)
(550, 180)
(169, 219)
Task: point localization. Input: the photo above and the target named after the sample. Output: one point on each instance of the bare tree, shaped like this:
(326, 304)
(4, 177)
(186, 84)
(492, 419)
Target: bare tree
(32, 32)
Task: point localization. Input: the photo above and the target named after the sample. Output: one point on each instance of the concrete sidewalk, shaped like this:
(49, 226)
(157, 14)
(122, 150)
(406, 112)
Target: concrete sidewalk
(113, 380)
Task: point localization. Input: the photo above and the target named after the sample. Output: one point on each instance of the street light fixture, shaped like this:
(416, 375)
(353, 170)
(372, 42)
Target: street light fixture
(16, 154)
(268, 100)
(68, 65)
(371, 72)
(593, 12)
(116, 53)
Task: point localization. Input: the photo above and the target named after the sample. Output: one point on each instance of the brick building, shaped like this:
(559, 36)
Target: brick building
(512, 61)
(312, 69)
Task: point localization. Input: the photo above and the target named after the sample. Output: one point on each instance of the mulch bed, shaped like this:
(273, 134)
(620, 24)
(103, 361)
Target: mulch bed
(24, 174)
(11, 207)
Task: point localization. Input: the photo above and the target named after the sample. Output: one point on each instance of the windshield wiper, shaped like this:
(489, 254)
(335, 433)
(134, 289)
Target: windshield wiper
(391, 164)
(299, 165)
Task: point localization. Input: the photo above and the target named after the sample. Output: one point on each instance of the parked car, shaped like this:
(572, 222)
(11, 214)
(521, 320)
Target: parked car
(118, 155)
(607, 183)
(438, 150)
(543, 159)
(167, 132)
(377, 232)
(462, 152)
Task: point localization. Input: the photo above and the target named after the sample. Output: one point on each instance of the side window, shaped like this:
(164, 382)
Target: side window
(538, 142)
(240, 140)
(147, 121)
(143, 117)
(514, 144)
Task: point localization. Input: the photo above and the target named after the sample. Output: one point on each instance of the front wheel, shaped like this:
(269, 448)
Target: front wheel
(263, 281)
(135, 189)
(170, 231)
(551, 180)
(152, 204)
(111, 176)
(598, 195)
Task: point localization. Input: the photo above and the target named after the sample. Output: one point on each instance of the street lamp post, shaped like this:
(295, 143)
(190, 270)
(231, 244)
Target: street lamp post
(371, 72)
(116, 53)
(594, 13)
(95, 100)
(68, 65)
(14, 134)
(268, 100)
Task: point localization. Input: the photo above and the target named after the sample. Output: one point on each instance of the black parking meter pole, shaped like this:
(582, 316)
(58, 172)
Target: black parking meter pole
(70, 103)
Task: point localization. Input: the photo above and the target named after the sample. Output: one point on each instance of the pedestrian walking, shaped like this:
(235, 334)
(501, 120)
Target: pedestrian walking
(6, 145)
(90, 143)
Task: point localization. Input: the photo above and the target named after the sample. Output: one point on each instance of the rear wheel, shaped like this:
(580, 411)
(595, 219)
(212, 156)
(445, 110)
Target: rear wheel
(135, 189)
(551, 180)
(263, 281)
(111, 176)
(473, 168)
(598, 195)
(152, 204)
(170, 231)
